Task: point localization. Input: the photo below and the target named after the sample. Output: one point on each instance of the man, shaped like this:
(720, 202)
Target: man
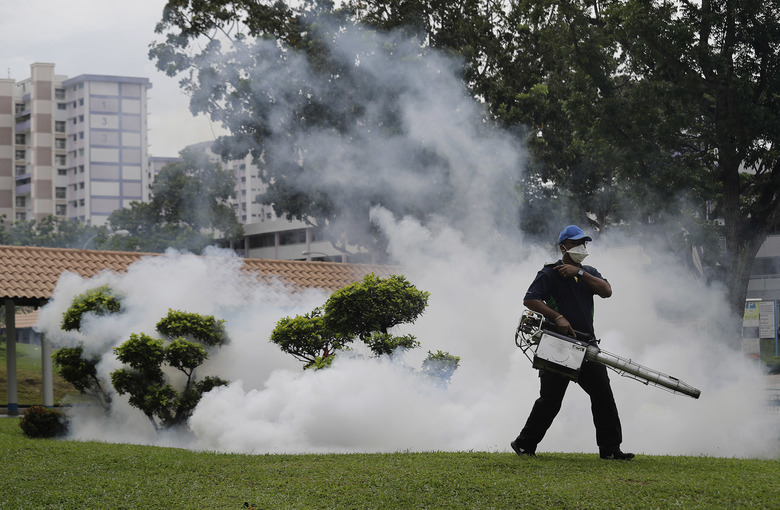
(563, 292)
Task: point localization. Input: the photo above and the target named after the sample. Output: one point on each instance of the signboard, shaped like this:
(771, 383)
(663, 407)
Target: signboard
(751, 345)
(766, 322)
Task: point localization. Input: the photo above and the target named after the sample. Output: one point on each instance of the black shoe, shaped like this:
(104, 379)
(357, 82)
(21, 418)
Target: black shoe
(617, 455)
(523, 452)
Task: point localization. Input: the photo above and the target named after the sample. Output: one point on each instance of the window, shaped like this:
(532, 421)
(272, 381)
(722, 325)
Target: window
(262, 241)
(59, 93)
(60, 192)
(61, 209)
(59, 126)
(765, 266)
(59, 143)
(21, 169)
(18, 108)
(62, 160)
(20, 216)
(292, 237)
(20, 139)
(62, 106)
(21, 201)
(20, 154)
(62, 171)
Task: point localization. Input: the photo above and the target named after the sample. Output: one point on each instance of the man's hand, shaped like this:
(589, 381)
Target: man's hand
(599, 286)
(564, 327)
(567, 270)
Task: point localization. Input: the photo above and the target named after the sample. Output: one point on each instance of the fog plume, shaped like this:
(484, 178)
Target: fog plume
(477, 271)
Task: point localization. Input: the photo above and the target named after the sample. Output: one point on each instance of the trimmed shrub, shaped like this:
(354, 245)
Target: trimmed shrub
(41, 421)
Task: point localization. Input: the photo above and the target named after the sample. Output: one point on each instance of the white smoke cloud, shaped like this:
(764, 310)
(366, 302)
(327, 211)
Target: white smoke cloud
(477, 277)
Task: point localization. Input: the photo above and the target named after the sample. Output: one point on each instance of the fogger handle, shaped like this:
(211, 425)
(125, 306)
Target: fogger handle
(551, 326)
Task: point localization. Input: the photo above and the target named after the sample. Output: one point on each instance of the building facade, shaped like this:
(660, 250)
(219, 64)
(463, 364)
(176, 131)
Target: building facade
(107, 145)
(73, 148)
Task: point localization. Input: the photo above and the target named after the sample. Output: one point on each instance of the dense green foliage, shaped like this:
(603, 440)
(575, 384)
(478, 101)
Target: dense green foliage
(647, 116)
(42, 422)
(96, 475)
(80, 370)
(72, 363)
(366, 310)
(99, 301)
(188, 338)
(370, 308)
(190, 201)
(144, 378)
(201, 328)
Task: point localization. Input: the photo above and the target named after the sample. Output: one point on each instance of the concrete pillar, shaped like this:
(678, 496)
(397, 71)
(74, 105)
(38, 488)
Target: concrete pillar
(47, 372)
(10, 356)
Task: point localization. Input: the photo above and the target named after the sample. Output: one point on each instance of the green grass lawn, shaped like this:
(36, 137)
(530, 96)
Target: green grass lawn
(29, 385)
(43, 473)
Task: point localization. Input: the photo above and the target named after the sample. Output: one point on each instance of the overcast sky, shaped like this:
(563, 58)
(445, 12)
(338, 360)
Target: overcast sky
(101, 37)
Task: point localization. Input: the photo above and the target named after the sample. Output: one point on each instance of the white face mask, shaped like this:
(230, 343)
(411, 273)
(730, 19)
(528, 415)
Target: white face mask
(578, 253)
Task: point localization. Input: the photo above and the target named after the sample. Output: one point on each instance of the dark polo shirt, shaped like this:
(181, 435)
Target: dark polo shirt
(570, 296)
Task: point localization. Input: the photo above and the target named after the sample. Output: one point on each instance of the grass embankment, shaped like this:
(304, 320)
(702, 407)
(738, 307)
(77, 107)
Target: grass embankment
(41, 473)
(29, 384)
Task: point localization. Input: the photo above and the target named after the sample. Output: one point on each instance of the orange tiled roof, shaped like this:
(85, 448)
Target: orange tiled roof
(29, 274)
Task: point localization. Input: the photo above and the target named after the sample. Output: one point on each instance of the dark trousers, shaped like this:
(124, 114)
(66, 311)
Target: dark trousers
(594, 380)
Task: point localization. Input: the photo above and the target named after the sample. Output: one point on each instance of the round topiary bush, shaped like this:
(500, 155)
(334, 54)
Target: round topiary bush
(41, 421)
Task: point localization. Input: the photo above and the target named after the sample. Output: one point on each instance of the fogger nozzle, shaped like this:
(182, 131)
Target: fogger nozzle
(634, 370)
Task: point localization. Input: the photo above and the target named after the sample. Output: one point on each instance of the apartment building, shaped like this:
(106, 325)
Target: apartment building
(106, 144)
(71, 147)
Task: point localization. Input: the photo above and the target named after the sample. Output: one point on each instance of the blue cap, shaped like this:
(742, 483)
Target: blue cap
(574, 233)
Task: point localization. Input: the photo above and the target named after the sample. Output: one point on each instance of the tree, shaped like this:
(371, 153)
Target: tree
(144, 380)
(440, 365)
(190, 203)
(369, 309)
(366, 310)
(72, 363)
(721, 60)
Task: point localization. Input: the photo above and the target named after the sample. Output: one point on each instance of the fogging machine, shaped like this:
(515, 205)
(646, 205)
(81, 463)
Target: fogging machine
(549, 350)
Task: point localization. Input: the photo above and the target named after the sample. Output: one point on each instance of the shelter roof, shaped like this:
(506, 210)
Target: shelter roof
(29, 274)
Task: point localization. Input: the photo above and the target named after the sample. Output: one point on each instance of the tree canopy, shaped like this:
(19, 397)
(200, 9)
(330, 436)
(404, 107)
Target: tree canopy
(188, 339)
(641, 115)
(365, 310)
